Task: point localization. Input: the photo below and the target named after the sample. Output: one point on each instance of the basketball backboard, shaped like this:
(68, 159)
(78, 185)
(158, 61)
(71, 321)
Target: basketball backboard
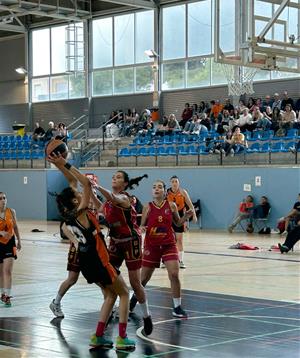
(261, 34)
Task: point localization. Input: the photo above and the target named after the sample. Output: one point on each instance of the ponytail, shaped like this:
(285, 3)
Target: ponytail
(133, 181)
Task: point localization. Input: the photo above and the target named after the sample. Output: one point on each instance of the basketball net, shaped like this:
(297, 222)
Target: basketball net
(239, 79)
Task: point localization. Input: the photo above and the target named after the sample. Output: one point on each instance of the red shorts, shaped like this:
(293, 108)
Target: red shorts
(152, 255)
(73, 259)
(130, 251)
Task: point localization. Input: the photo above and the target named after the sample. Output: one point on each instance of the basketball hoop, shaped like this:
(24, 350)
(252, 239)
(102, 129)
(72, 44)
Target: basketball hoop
(239, 79)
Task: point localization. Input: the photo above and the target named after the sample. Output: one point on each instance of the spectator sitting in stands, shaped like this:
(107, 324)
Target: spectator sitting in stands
(38, 133)
(297, 106)
(236, 143)
(243, 213)
(224, 122)
(276, 119)
(172, 125)
(245, 120)
(202, 107)
(148, 128)
(288, 118)
(251, 104)
(276, 102)
(205, 121)
(186, 114)
(266, 121)
(189, 126)
(266, 103)
(216, 108)
(62, 132)
(49, 132)
(286, 100)
(195, 108)
(228, 106)
(199, 127)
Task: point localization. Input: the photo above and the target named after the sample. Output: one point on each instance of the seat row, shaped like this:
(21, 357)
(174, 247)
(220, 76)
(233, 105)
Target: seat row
(275, 147)
(22, 155)
(15, 138)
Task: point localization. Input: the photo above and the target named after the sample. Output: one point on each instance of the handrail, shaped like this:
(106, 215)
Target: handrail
(77, 120)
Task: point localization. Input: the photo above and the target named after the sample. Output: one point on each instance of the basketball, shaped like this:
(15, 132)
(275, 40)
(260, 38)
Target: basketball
(56, 146)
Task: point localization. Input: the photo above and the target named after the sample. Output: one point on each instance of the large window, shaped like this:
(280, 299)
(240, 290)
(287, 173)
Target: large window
(50, 51)
(120, 65)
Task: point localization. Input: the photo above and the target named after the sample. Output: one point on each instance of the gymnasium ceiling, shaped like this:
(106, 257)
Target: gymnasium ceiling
(17, 16)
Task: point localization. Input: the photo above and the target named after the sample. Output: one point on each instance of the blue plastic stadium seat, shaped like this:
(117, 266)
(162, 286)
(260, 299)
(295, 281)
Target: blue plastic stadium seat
(161, 151)
(292, 134)
(255, 136)
(254, 148)
(20, 155)
(143, 151)
(152, 152)
(182, 150)
(287, 145)
(277, 147)
(124, 152)
(133, 152)
(265, 148)
(192, 150)
(27, 155)
(171, 151)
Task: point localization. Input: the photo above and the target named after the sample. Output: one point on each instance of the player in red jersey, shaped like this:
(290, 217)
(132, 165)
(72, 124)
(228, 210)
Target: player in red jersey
(125, 236)
(160, 242)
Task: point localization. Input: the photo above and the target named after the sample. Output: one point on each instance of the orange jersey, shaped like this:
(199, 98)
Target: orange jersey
(7, 224)
(176, 198)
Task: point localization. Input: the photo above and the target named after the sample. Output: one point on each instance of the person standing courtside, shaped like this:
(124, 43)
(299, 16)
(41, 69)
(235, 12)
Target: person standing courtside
(182, 200)
(9, 232)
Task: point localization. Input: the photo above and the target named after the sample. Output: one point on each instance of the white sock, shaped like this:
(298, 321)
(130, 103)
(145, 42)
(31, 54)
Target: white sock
(58, 299)
(181, 256)
(177, 302)
(145, 309)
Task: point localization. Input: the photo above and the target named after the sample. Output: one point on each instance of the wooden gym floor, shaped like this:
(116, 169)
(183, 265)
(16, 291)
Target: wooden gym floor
(240, 303)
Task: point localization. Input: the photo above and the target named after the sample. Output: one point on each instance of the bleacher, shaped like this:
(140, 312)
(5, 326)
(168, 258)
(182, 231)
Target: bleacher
(15, 149)
(179, 144)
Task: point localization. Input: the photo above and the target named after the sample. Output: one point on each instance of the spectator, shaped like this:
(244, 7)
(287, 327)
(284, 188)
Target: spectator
(260, 211)
(288, 117)
(276, 119)
(216, 108)
(276, 102)
(189, 126)
(268, 102)
(286, 100)
(266, 121)
(236, 143)
(243, 213)
(186, 114)
(49, 132)
(62, 132)
(38, 132)
(228, 106)
(223, 126)
(199, 128)
(172, 124)
(202, 107)
(205, 121)
(297, 106)
(195, 108)
(245, 120)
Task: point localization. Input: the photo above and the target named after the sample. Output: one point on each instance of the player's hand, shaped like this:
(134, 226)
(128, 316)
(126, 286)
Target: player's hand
(56, 159)
(194, 219)
(19, 245)
(189, 213)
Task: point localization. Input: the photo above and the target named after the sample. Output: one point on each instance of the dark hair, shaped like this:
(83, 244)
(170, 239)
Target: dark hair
(234, 128)
(264, 197)
(174, 177)
(133, 181)
(251, 197)
(65, 204)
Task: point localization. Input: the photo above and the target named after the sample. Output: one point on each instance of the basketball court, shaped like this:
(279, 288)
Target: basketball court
(240, 303)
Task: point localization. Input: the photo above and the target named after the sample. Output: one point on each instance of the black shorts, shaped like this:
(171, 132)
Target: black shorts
(179, 229)
(8, 250)
(92, 268)
(73, 259)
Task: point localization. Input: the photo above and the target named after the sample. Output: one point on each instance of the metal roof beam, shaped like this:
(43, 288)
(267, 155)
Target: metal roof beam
(141, 4)
(34, 11)
(12, 28)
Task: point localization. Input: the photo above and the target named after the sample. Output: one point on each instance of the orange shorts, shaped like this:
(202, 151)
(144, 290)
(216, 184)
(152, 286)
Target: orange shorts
(152, 255)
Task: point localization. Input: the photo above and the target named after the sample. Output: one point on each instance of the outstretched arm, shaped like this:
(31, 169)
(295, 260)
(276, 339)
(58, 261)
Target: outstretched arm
(189, 204)
(116, 199)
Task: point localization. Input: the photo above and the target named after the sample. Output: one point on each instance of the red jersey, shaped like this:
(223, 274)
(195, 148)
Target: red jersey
(159, 225)
(122, 222)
